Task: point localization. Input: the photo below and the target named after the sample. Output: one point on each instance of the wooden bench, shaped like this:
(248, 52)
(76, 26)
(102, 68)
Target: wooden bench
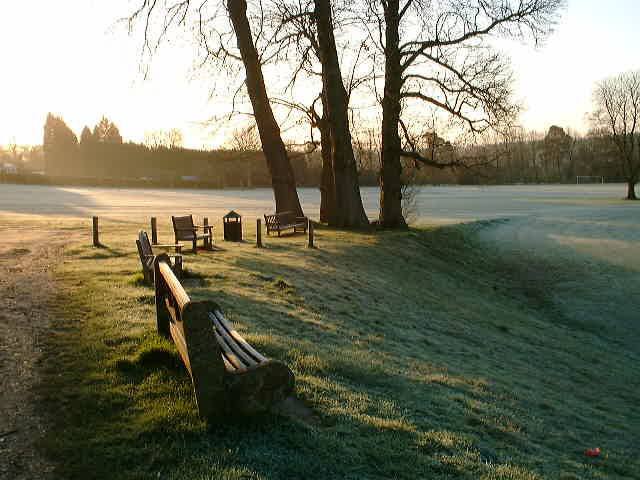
(280, 221)
(185, 230)
(230, 378)
(147, 257)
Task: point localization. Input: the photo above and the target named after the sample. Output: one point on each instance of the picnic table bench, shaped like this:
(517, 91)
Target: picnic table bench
(229, 376)
(280, 221)
(145, 251)
(185, 230)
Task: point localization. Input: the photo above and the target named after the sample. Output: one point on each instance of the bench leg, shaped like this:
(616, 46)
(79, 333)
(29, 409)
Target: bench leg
(205, 358)
(177, 267)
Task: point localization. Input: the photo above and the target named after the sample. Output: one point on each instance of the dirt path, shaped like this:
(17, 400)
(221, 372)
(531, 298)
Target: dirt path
(26, 260)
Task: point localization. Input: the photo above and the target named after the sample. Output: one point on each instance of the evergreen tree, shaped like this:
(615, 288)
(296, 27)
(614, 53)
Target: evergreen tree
(87, 152)
(105, 151)
(60, 147)
(106, 131)
(86, 136)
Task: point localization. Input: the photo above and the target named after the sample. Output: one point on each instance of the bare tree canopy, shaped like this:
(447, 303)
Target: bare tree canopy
(438, 53)
(171, 138)
(418, 55)
(617, 111)
(349, 211)
(215, 38)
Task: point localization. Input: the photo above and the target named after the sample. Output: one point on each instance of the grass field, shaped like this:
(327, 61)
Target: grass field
(423, 354)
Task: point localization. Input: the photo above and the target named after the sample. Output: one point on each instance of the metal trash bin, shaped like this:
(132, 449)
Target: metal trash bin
(232, 223)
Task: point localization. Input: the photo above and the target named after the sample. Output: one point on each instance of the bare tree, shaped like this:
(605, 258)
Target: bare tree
(171, 138)
(309, 28)
(245, 142)
(617, 110)
(244, 139)
(216, 45)
(296, 35)
(557, 150)
(437, 53)
(349, 211)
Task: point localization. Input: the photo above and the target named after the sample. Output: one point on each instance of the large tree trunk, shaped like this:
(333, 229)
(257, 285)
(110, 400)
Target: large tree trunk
(327, 185)
(348, 210)
(390, 179)
(631, 190)
(282, 177)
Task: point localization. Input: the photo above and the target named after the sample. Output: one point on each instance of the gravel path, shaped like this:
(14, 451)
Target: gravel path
(26, 261)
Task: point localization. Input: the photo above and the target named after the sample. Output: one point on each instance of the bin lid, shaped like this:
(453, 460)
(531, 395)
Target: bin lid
(232, 214)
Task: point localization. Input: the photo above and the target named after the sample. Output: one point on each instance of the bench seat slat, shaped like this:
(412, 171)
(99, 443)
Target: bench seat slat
(227, 365)
(238, 338)
(232, 342)
(228, 353)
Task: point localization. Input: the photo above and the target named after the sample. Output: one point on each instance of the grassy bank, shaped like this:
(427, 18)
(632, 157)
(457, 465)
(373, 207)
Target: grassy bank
(422, 354)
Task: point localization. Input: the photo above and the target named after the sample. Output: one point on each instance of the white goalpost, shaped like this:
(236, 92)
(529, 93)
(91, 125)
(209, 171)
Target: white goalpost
(580, 179)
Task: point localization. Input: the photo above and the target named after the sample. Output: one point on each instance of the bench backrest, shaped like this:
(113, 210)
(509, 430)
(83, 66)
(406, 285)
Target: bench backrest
(188, 323)
(270, 219)
(145, 244)
(281, 218)
(183, 227)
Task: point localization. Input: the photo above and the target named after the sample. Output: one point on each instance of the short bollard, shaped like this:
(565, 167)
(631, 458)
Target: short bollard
(208, 243)
(258, 233)
(310, 230)
(154, 231)
(96, 240)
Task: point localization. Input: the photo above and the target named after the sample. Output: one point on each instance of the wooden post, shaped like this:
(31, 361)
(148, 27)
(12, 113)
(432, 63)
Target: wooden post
(208, 244)
(177, 266)
(163, 317)
(310, 230)
(96, 240)
(258, 233)
(154, 231)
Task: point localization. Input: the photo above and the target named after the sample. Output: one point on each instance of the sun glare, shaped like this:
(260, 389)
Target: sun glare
(70, 59)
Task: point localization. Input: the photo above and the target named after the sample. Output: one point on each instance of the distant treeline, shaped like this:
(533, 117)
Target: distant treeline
(101, 158)
(514, 157)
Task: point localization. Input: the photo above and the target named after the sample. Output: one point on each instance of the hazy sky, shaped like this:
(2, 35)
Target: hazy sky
(65, 57)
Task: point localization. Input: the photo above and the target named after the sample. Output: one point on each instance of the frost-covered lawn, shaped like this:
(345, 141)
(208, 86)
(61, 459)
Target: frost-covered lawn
(424, 354)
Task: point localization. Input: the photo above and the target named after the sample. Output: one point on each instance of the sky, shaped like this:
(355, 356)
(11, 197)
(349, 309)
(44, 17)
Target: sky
(72, 58)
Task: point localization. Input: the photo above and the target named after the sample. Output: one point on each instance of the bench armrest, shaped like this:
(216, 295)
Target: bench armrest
(205, 229)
